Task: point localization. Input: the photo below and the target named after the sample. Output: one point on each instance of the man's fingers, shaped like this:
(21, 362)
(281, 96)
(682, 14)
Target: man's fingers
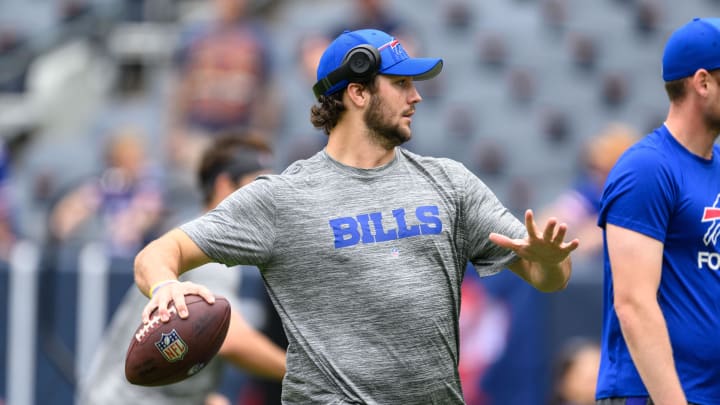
(180, 305)
(174, 296)
(549, 232)
(147, 311)
(206, 294)
(572, 245)
(502, 240)
(179, 298)
(530, 224)
(560, 235)
(163, 311)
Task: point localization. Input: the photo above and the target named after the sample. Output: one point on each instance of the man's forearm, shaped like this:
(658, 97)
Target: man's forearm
(157, 262)
(551, 277)
(165, 259)
(645, 333)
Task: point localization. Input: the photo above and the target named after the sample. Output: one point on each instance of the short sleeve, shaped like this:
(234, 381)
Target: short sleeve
(241, 229)
(639, 194)
(483, 213)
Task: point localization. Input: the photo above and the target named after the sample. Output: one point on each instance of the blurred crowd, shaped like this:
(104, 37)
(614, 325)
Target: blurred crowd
(106, 107)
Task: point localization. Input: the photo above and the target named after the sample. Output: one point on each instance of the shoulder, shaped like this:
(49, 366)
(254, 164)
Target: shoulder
(649, 156)
(303, 167)
(646, 170)
(447, 176)
(440, 165)
(295, 174)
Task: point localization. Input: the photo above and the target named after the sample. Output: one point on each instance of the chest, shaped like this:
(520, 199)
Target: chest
(350, 218)
(696, 213)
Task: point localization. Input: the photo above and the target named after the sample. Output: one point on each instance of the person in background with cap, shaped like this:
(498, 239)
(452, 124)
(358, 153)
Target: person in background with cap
(363, 245)
(661, 218)
(231, 161)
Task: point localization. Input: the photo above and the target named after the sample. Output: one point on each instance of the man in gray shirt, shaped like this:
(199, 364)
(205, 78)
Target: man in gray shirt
(363, 246)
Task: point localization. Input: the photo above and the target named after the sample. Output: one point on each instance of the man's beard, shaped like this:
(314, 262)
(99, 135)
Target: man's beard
(381, 131)
(712, 121)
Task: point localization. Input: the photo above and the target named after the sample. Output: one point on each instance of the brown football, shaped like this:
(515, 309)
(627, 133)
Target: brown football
(165, 353)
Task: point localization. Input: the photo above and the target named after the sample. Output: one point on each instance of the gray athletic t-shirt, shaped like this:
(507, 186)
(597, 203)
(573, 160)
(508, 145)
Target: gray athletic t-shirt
(364, 268)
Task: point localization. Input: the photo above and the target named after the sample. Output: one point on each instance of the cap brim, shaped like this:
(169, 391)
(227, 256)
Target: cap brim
(417, 68)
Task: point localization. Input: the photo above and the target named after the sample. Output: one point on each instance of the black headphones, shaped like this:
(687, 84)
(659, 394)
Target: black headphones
(359, 65)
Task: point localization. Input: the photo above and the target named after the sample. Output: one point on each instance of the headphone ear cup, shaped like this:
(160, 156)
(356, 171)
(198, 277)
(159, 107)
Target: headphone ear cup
(362, 61)
(359, 65)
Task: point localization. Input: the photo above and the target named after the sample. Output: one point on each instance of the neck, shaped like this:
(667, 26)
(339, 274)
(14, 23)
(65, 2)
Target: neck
(691, 132)
(350, 145)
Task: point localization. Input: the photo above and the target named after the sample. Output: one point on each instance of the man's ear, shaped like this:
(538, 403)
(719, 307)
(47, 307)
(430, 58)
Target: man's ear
(358, 94)
(700, 81)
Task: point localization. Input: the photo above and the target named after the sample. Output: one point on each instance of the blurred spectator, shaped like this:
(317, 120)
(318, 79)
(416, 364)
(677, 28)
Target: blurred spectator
(556, 126)
(520, 194)
(458, 16)
(15, 58)
(310, 48)
(578, 206)
(373, 14)
(575, 373)
(229, 163)
(126, 197)
(460, 122)
(223, 80)
(256, 305)
(377, 14)
(80, 19)
(615, 90)
(499, 364)
(648, 16)
(490, 158)
(522, 86)
(8, 226)
(72, 10)
(493, 50)
(584, 52)
(484, 328)
(297, 139)
(554, 14)
(149, 10)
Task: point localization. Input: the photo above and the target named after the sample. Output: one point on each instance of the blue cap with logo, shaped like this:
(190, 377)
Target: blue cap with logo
(394, 60)
(695, 45)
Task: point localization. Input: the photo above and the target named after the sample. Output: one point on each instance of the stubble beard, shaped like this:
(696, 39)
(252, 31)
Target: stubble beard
(712, 121)
(381, 131)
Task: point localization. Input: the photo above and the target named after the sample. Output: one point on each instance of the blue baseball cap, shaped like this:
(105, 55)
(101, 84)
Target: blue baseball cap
(394, 60)
(695, 45)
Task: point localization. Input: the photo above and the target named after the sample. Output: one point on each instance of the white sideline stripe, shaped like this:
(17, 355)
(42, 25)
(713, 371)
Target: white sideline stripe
(93, 267)
(24, 260)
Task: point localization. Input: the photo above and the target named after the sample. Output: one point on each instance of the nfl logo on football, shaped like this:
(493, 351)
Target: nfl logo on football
(172, 347)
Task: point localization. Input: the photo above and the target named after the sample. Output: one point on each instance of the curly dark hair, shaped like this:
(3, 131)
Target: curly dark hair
(326, 113)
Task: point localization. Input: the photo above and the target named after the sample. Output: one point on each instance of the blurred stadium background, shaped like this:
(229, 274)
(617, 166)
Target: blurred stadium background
(526, 84)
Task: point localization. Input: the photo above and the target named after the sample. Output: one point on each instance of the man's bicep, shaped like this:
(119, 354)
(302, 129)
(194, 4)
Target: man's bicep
(636, 262)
